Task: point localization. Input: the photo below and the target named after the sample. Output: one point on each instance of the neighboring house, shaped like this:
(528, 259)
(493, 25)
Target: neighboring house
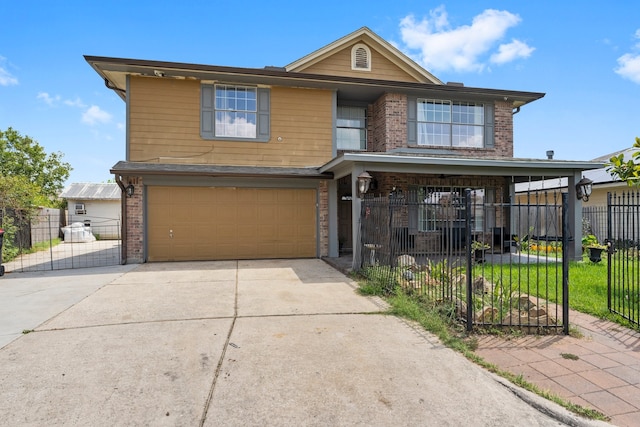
(230, 163)
(594, 209)
(95, 205)
(603, 182)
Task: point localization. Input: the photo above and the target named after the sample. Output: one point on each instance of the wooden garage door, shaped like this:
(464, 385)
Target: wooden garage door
(204, 223)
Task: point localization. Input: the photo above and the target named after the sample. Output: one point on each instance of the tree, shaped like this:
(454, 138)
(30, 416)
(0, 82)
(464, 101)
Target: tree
(628, 171)
(21, 156)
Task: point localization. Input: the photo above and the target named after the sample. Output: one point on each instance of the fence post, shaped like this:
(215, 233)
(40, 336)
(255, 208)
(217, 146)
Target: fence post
(609, 239)
(50, 240)
(565, 264)
(468, 237)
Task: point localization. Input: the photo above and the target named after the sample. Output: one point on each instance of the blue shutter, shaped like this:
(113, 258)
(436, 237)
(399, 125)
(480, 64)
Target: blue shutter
(489, 137)
(207, 103)
(412, 121)
(264, 125)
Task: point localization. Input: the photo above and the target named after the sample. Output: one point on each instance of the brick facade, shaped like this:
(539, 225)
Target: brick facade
(135, 222)
(389, 128)
(323, 217)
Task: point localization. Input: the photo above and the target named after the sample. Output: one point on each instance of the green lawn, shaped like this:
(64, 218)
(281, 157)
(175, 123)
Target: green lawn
(587, 283)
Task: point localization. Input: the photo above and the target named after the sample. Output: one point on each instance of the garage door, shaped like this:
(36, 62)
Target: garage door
(215, 223)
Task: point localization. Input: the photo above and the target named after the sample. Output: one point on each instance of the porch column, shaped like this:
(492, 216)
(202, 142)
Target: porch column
(356, 206)
(575, 218)
(333, 218)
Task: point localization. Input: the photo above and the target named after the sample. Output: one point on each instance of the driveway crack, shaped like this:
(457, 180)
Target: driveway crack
(224, 352)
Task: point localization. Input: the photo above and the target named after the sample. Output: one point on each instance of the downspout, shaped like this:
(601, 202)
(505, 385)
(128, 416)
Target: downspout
(123, 215)
(515, 111)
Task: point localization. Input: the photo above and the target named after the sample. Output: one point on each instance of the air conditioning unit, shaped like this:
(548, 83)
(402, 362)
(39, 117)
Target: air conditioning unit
(80, 210)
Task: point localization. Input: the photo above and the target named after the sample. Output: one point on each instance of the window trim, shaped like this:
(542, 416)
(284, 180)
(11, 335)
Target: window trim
(412, 124)
(422, 223)
(366, 139)
(208, 111)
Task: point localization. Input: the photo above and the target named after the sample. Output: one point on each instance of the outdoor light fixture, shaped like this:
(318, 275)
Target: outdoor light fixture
(130, 190)
(583, 189)
(364, 180)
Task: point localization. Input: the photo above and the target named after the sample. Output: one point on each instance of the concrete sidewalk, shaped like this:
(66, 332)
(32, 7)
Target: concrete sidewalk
(246, 343)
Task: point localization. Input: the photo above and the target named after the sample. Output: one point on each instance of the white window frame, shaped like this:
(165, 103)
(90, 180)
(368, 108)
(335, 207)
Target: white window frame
(80, 209)
(439, 206)
(346, 124)
(445, 123)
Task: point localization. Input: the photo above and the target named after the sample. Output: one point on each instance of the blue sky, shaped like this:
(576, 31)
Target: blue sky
(584, 55)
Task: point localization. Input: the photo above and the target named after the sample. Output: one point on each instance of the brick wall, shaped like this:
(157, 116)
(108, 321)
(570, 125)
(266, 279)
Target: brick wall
(323, 217)
(135, 222)
(389, 127)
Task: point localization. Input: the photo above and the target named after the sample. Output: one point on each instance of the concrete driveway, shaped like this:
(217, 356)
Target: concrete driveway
(239, 343)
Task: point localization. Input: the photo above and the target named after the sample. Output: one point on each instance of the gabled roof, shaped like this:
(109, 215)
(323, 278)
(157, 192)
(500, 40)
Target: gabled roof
(88, 191)
(382, 46)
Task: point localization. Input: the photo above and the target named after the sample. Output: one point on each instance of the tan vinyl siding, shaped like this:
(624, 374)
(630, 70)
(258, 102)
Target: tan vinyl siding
(339, 64)
(164, 127)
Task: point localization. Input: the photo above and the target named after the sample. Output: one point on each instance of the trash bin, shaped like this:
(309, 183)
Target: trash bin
(1, 239)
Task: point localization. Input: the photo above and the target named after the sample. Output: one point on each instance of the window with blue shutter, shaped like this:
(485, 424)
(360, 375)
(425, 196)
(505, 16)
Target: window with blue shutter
(234, 112)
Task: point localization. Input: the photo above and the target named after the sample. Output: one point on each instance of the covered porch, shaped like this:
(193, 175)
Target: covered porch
(427, 215)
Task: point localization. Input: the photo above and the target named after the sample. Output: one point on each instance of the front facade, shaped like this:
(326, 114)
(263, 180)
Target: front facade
(238, 163)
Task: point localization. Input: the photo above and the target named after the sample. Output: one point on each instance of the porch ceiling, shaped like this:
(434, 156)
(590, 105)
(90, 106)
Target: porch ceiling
(520, 169)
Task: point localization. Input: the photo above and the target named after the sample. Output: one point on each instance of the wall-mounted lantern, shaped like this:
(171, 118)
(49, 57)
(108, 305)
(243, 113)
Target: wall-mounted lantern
(130, 189)
(583, 189)
(364, 180)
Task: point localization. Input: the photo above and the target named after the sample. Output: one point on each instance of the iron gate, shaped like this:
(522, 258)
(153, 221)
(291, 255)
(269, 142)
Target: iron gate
(494, 264)
(623, 269)
(44, 242)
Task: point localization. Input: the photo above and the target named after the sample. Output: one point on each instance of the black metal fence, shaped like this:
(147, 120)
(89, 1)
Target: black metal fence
(456, 249)
(594, 221)
(46, 242)
(623, 235)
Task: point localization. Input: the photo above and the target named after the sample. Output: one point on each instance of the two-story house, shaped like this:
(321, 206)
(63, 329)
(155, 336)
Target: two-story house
(240, 163)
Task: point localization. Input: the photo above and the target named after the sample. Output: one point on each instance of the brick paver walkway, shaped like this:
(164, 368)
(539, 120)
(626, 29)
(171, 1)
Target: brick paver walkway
(600, 370)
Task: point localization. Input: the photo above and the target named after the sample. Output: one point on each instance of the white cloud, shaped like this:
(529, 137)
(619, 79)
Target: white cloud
(6, 79)
(629, 67)
(48, 99)
(441, 47)
(511, 51)
(629, 63)
(74, 103)
(95, 115)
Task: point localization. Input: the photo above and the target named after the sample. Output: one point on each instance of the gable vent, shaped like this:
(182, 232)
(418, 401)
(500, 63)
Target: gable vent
(361, 58)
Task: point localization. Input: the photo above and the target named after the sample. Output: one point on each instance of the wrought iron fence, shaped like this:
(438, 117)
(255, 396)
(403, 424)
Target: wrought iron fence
(623, 235)
(45, 242)
(458, 251)
(594, 221)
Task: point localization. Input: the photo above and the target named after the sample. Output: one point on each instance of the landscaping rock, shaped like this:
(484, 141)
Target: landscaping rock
(482, 285)
(406, 262)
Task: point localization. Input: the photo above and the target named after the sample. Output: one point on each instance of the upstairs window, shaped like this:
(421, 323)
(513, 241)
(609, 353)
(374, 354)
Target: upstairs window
(450, 124)
(361, 57)
(445, 123)
(351, 128)
(234, 112)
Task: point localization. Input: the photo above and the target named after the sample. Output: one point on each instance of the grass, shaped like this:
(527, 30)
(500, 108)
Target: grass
(37, 247)
(440, 320)
(587, 285)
